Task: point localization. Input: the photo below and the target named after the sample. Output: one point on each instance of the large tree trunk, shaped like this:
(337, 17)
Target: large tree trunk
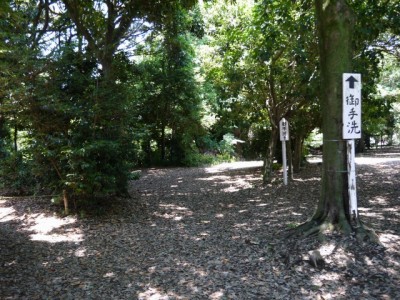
(335, 22)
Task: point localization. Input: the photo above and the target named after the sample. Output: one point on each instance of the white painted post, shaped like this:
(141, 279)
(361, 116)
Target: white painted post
(284, 136)
(284, 166)
(351, 130)
(351, 175)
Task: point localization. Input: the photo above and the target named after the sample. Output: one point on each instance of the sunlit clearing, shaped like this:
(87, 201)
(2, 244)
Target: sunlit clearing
(45, 224)
(235, 185)
(234, 166)
(314, 159)
(6, 213)
(42, 227)
(375, 160)
(362, 160)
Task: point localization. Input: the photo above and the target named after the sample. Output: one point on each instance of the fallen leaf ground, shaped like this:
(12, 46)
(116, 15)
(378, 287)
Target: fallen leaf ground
(205, 233)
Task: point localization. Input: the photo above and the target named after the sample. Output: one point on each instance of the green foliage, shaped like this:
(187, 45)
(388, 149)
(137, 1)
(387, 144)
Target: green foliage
(170, 83)
(226, 146)
(167, 106)
(314, 139)
(134, 175)
(16, 174)
(214, 152)
(276, 166)
(379, 110)
(199, 160)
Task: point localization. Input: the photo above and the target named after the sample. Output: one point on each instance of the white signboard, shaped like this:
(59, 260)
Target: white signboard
(351, 106)
(284, 129)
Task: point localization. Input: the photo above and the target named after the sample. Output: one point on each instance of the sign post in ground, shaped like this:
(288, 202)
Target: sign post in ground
(284, 136)
(352, 130)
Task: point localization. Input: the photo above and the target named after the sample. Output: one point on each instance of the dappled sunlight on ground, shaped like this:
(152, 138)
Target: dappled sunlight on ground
(376, 160)
(206, 233)
(174, 212)
(234, 166)
(6, 213)
(235, 184)
(41, 226)
(154, 294)
(50, 229)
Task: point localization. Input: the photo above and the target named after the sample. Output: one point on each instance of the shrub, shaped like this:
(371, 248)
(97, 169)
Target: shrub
(16, 174)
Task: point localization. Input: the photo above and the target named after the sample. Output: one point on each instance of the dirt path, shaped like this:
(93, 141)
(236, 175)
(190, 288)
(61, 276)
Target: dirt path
(204, 233)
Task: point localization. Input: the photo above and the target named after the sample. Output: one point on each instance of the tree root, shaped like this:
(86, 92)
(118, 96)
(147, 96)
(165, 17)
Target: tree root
(321, 228)
(364, 233)
(312, 228)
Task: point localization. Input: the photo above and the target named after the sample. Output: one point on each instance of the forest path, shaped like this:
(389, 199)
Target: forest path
(204, 233)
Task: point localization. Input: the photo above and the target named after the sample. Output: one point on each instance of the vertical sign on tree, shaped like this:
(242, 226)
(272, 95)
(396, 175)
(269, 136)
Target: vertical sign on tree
(351, 106)
(352, 130)
(284, 136)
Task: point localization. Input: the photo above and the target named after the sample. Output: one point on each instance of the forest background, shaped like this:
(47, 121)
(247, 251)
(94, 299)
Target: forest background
(91, 90)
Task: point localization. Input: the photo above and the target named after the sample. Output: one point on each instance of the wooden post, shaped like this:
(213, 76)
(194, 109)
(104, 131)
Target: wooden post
(284, 165)
(351, 173)
(65, 198)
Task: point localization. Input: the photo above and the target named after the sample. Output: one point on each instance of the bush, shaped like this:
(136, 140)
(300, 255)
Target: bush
(16, 174)
(97, 169)
(198, 160)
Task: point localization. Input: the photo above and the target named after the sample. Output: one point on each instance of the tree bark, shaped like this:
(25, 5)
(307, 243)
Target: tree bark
(335, 23)
(269, 158)
(290, 159)
(297, 153)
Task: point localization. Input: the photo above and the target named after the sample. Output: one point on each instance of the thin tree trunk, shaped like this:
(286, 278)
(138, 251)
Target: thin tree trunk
(269, 158)
(15, 134)
(290, 159)
(65, 200)
(297, 154)
(163, 144)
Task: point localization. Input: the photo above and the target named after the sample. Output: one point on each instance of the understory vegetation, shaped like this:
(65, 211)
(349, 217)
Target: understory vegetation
(90, 91)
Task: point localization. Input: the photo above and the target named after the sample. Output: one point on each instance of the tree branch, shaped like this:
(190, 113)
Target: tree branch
(74, 11)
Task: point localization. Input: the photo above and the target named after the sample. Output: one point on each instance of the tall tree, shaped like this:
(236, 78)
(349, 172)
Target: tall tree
(336, 21)
(104, 26)
(167, 91)
(284, 64)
